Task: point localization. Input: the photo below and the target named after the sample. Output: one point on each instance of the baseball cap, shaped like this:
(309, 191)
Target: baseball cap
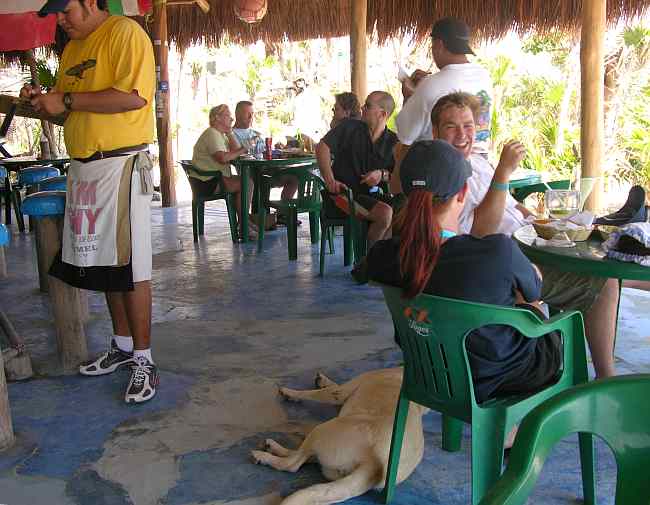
(435, 166)
(52, 7)
(454, 33)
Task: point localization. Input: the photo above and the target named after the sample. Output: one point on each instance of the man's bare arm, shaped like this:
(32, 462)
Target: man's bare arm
(107, 101)
(488, 215)
(324, 158)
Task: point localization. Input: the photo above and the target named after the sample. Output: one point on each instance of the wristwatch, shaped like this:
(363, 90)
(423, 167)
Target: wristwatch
(67, 101)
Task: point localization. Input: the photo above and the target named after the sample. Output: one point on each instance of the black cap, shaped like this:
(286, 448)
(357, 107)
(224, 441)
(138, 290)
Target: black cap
(52, 7)
(454, 33)
(435, 166)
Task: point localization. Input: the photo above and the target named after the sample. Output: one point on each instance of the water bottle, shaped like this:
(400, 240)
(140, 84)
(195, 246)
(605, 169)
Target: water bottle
(259, 149)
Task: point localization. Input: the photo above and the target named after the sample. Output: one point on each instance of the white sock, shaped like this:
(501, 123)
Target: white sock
(123, 343)
(145, 353)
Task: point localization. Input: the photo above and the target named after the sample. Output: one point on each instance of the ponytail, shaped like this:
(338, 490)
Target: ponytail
(420, 241)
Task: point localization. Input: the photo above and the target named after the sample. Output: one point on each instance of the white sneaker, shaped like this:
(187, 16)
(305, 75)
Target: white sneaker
(144, 379)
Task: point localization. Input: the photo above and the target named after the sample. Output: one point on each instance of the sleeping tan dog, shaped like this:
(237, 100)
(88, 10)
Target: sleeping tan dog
(352, 449)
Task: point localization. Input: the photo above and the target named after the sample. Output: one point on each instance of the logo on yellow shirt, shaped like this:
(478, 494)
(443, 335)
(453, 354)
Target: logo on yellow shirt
(78, 70)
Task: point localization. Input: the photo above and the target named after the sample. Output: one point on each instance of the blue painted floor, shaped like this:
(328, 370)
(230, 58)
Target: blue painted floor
(229, 325)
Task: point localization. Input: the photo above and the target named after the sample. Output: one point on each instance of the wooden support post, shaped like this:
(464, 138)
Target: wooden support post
(358, 45)
(3, 263)
(166, 158)
(592, 64)
(6, 428)
(66, 303)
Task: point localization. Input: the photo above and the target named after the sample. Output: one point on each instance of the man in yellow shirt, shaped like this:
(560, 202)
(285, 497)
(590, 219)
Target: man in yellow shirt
(106, 85)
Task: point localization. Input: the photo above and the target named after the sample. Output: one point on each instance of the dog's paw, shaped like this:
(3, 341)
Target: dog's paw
(286, 395)
(258, 457)
(320, 381)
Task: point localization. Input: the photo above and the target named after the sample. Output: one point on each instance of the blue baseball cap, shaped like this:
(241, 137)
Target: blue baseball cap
(52, 7)
(435, 166)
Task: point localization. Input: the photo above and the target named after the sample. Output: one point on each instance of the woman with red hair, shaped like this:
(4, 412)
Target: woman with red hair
(430, 257)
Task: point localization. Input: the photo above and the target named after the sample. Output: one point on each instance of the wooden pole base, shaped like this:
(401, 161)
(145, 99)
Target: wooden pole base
(3, 263)
(6, 427)
(66, 301)
(18, 365)
(41, 260)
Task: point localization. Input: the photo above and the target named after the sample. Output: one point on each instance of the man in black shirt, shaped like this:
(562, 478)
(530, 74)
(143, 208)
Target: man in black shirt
(362, 152)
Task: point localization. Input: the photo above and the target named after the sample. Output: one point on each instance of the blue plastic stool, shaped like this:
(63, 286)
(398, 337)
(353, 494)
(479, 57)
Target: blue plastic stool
(58, 183)
(4, 235)
(4, 240)
(31, 175)
(45, 203)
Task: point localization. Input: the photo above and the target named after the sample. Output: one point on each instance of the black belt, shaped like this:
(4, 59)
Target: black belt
(100, 155)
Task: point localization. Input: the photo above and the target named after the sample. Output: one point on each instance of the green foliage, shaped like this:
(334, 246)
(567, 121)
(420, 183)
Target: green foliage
(254, 71)
(46, 76)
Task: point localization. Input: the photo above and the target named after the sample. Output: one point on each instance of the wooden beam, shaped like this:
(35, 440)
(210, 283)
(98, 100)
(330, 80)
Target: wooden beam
(592, 67)
(358, 45)
(166, 158)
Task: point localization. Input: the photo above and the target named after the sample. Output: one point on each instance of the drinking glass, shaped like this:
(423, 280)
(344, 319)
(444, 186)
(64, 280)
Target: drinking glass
(562, 203)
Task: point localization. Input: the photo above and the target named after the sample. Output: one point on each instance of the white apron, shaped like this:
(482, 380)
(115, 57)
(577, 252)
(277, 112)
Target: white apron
(97, 227)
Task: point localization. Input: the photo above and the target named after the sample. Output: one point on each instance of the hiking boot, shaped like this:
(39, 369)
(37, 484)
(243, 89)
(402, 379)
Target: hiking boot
(360, 272)
(108, 362)
(144, 379)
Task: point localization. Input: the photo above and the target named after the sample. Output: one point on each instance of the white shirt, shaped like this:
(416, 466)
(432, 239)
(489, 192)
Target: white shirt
(246, 137)
(477, 187)
(414, 120)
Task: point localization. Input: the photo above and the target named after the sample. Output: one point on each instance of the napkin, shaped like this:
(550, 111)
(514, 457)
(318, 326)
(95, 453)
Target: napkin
(582, 219)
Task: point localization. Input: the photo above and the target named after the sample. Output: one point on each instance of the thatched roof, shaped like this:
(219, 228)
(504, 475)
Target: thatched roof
(306, 19)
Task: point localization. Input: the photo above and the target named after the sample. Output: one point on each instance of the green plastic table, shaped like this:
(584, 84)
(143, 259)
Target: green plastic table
(251, 167)
(585, 258)
(525, 181)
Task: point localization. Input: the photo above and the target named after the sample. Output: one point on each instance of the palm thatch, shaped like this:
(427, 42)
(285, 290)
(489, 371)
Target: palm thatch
(306, 19)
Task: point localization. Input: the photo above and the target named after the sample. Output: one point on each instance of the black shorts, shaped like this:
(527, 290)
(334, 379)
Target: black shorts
(205, 188)
(101, 278)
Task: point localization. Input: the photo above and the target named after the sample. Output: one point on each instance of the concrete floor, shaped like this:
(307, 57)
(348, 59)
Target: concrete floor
(229, 325)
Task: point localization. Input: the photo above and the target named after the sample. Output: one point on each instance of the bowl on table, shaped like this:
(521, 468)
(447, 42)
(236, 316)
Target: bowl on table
(548, 228)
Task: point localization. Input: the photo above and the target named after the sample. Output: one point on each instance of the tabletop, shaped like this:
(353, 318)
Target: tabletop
(15, 164)
(586, 257)
(524, 179)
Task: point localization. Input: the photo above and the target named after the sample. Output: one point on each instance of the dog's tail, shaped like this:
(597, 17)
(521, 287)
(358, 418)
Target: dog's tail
(362, 479)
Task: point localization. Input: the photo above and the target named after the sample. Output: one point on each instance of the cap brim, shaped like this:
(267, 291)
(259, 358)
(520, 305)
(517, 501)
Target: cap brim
(52, 7)
(459, 47)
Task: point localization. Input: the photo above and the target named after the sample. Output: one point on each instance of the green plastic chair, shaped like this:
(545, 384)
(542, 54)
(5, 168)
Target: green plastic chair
(614, 409)
(198, 203)
(355, 235)
(307, 200)
(520, 194)
(432, 332)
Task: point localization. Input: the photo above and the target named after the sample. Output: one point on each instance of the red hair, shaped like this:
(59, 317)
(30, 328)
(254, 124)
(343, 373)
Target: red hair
(420, 241)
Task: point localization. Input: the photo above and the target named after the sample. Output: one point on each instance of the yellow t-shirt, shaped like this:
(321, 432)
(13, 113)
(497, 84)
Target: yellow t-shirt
(116, 55)
(210, 141)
